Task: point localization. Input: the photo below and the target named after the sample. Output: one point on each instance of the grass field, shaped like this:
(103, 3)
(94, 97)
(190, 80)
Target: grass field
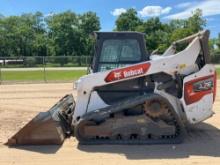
(218, 72)
(50, 75)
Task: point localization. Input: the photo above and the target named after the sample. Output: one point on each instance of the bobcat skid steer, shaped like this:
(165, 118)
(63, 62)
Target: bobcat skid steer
(131, 97)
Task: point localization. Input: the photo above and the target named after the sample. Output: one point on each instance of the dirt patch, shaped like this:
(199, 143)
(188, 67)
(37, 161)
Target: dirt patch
(20, 103)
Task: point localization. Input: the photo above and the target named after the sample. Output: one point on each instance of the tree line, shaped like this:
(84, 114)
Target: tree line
(60, 34)
(69, 34)
(160, 35)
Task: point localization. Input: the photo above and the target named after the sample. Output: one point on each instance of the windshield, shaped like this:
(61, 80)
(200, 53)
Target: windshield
(117, 53)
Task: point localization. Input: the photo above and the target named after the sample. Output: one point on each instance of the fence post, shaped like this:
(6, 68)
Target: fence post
(44, 65)
(86, 60)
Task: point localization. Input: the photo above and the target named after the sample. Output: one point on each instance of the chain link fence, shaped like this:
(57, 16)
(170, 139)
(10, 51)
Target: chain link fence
(41, 61)
(42, 69)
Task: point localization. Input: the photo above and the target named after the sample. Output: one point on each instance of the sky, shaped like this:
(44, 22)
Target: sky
(109, 10)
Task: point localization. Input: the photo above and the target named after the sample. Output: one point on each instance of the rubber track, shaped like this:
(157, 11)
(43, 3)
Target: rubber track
(104, 113)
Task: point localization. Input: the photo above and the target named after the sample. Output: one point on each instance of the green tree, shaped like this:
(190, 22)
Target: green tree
(157, 36)
(218, 42)
(214, 47)
(184, 28)
(63, 32)
(180, 33)
(69, 32)
(18, 34)
(160, 35)
(88, 23)
(128, 21)
(40, 41)
(177, 24)
(196, 23)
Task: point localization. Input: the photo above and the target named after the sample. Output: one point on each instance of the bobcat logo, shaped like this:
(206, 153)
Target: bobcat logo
(127, 72)
(131, 73)
(117, 75)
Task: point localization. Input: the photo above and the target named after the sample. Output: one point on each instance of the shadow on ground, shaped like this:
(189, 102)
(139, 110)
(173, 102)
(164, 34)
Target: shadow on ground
(45, 149)
(202, 140)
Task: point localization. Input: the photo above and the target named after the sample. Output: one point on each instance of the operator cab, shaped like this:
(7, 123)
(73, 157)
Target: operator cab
(118, 49)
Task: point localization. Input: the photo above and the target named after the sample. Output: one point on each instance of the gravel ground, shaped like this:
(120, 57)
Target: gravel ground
(19, 103)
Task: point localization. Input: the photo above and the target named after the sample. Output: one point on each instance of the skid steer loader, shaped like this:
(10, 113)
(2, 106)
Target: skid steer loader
(131, 97)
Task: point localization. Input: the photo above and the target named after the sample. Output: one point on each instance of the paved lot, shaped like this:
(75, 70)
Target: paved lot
(19, 103)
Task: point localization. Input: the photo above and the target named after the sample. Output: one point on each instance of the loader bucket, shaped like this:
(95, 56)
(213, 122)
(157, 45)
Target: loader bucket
(47, 128)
